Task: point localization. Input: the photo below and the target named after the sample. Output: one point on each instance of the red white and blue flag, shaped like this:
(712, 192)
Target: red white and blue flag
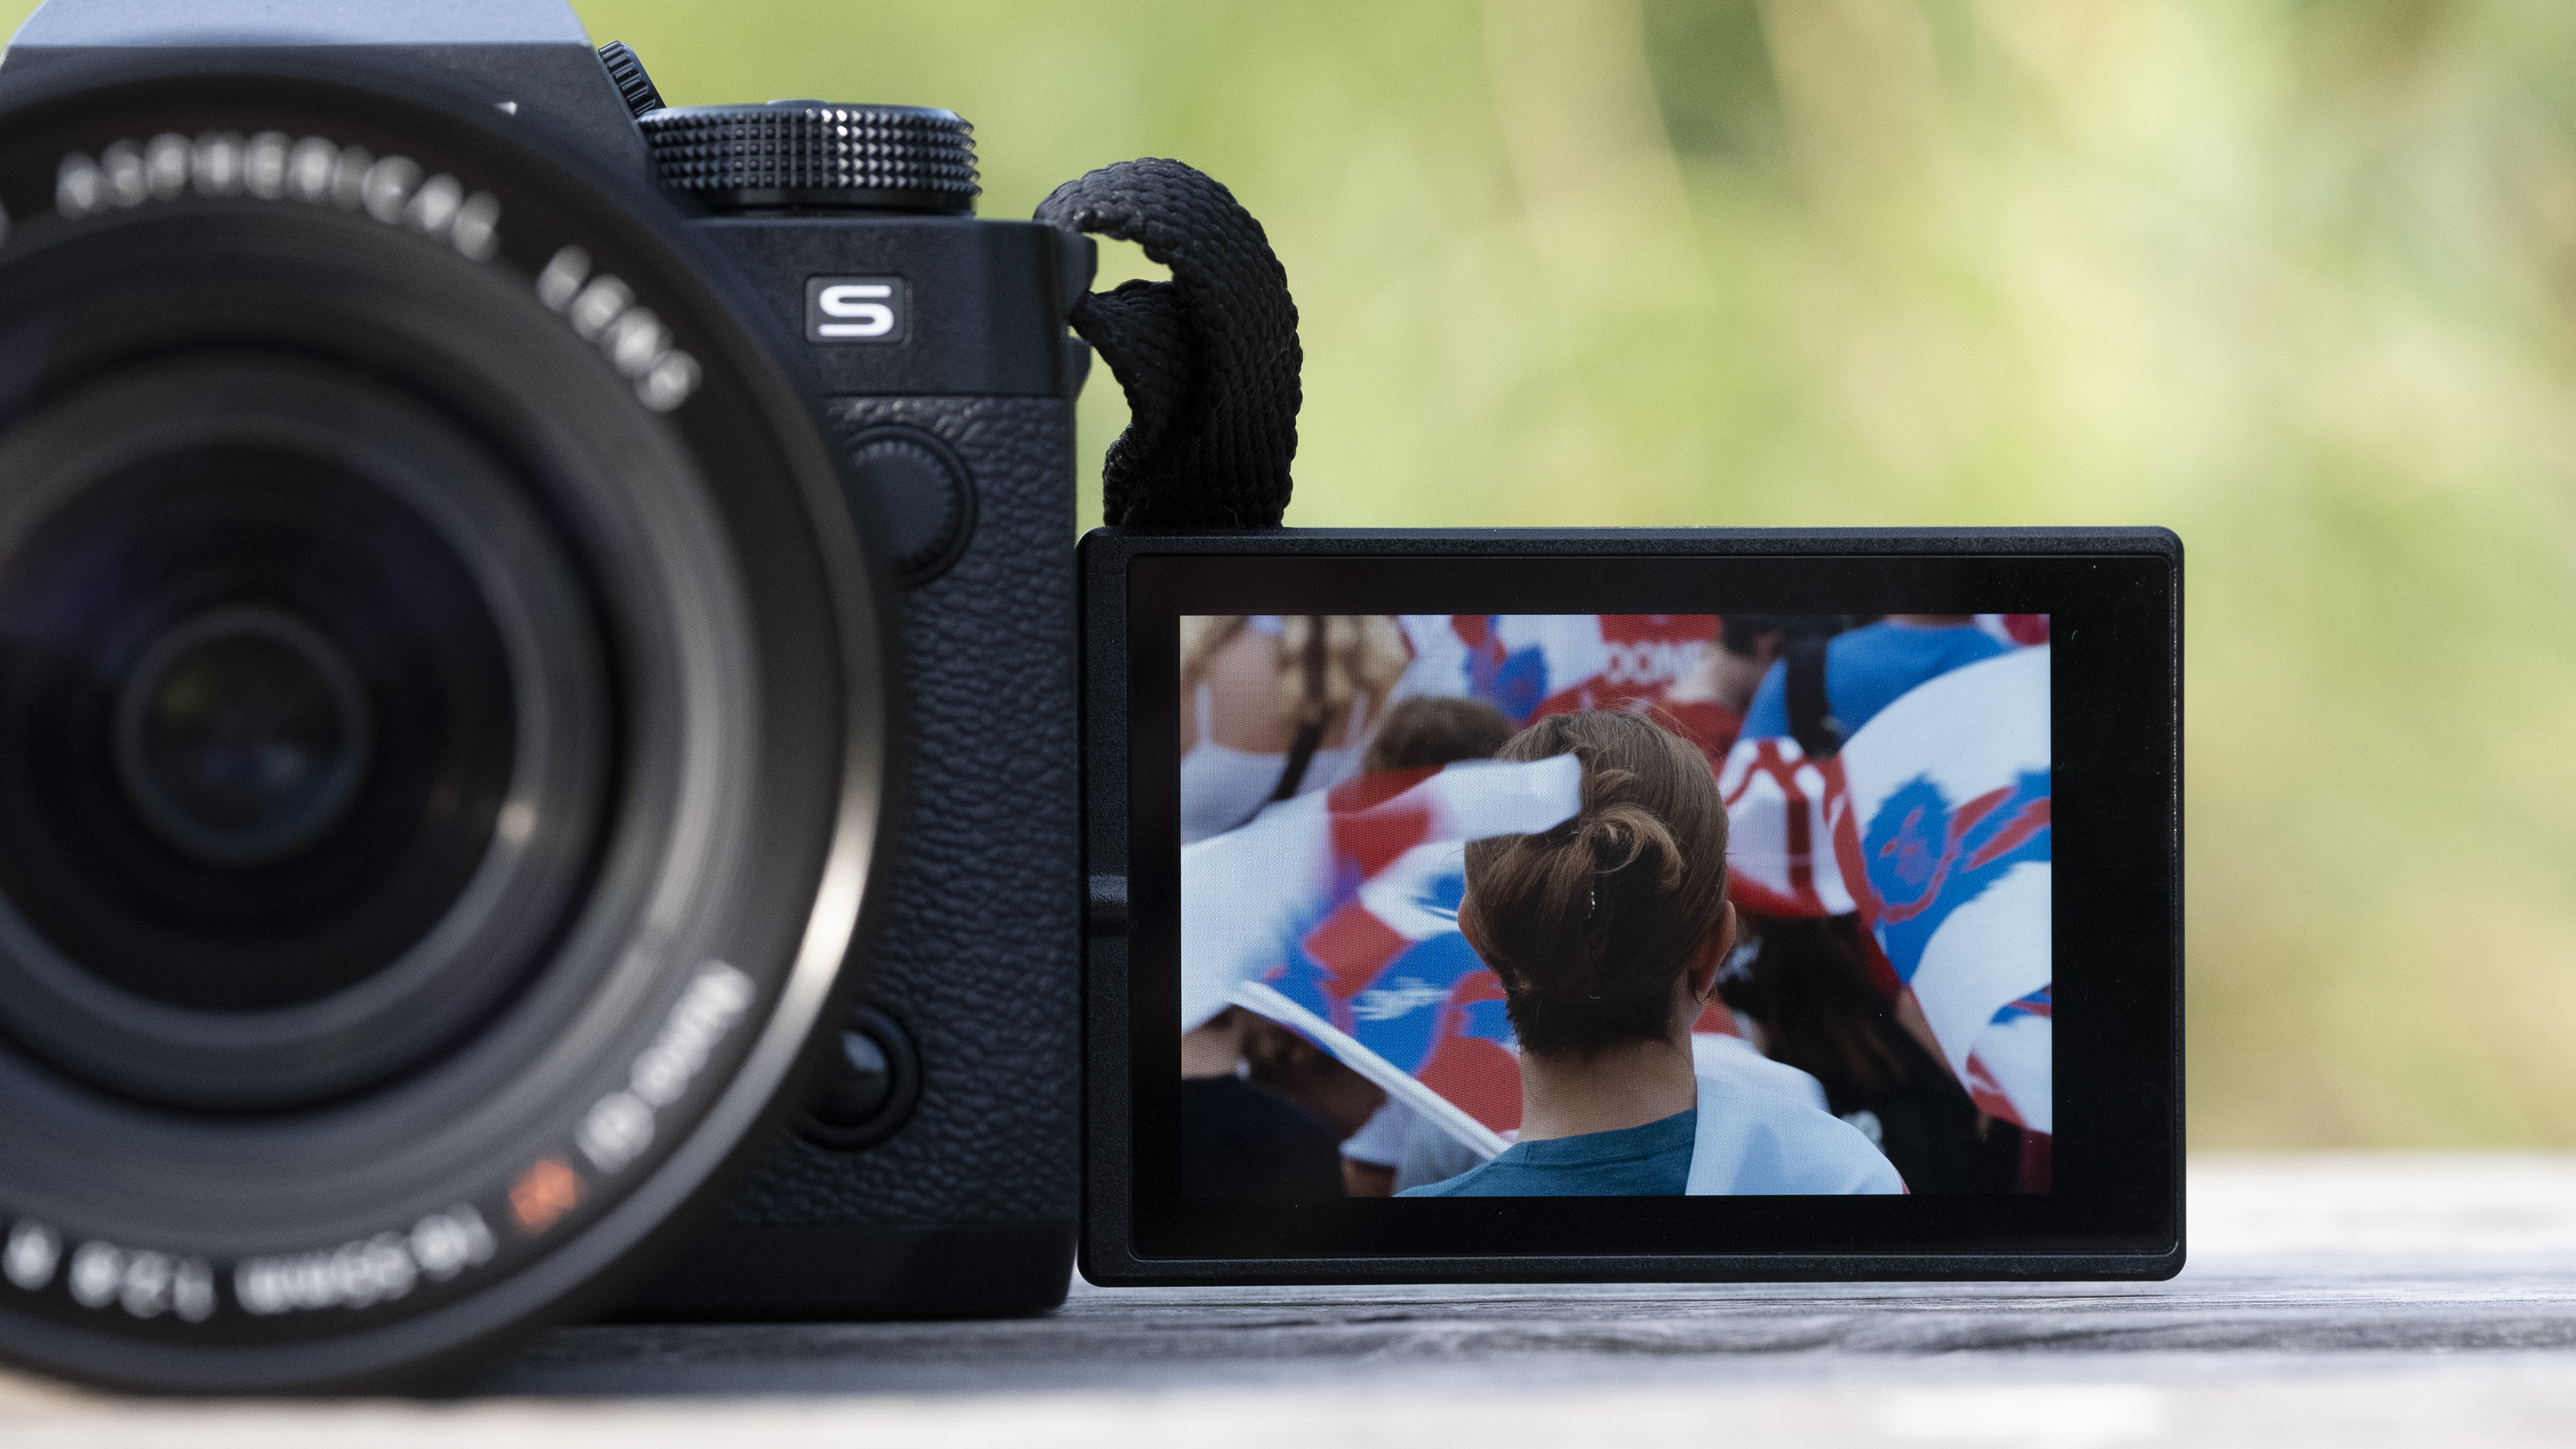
(1932, 822)
(1528, 665)
(1942, 828)
(2008, 1068)
(1779, 842)
(1336, 915)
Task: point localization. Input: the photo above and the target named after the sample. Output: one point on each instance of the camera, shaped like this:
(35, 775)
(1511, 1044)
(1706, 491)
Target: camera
(558, 756)
(504, 585)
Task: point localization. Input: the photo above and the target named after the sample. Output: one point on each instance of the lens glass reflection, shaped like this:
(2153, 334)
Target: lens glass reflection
(242, 735)
(256, 723)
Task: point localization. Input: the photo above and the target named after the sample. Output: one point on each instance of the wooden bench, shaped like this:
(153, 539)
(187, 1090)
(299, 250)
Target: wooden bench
(2333, 1299)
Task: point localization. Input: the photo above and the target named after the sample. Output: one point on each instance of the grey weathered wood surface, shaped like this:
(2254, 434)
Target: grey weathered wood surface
(2400, 1299)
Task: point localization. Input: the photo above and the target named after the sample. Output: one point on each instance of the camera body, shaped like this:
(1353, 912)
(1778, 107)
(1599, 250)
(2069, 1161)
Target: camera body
(792, 433)
(960, 1195)
(945, 1177)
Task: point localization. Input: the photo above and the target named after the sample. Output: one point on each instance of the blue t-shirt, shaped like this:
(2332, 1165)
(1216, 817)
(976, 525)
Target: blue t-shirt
(1866, 669)
(1649, 1161)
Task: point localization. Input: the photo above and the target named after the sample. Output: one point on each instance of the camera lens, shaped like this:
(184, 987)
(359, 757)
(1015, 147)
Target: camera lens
(439, 724)
(266, 665)
(242, 734)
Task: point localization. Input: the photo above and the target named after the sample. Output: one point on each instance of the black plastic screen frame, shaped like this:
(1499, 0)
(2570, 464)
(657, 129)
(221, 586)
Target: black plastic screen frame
(2115, 601)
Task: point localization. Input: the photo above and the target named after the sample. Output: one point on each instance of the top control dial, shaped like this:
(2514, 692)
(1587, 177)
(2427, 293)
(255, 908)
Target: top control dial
(815, 155)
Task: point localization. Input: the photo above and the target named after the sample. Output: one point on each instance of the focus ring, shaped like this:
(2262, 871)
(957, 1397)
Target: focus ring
(813, 154)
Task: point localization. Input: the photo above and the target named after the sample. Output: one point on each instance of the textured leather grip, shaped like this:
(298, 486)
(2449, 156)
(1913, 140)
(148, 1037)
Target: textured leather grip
(978, 950)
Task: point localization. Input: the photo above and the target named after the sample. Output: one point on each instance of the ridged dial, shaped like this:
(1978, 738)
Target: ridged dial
(814, 154)
(628, 72)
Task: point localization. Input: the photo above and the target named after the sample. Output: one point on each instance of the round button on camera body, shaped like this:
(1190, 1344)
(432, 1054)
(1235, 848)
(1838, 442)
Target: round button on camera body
(923, 491)
(871, 1086)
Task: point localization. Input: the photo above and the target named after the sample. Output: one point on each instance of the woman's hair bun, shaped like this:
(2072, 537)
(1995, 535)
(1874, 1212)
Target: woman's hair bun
(1588, 924)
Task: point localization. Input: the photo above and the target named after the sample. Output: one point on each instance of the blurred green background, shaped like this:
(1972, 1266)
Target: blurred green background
(2295, 278)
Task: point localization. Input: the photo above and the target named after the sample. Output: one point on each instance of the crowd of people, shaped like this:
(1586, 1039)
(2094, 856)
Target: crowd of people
(1670, 1026)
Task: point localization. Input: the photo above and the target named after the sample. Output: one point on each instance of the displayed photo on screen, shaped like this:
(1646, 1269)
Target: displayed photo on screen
(1814, 848)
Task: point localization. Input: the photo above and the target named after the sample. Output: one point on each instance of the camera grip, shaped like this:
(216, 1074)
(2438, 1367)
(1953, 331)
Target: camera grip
(970, 1205)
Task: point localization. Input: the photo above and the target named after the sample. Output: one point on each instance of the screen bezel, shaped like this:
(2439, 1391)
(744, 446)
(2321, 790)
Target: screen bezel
(2114, 597)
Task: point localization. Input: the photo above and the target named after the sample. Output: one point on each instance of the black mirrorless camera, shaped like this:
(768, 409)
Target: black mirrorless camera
(497, 576)
(557, 755)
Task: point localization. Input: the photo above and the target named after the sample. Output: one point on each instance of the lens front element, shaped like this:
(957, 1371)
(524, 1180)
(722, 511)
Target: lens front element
(304, 714)
(242, 735)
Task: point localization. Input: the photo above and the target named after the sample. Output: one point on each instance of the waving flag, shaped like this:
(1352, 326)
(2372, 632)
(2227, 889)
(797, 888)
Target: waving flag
(1527, 665)
(1939, 818)
(1779, 847)
(2008, 1068)
(1336, 915)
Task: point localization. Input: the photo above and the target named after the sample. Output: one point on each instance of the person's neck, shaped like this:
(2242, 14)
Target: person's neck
(1565, 1095)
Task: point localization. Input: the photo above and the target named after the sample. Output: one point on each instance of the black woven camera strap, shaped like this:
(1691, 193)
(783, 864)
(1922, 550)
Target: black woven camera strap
(1209, 359)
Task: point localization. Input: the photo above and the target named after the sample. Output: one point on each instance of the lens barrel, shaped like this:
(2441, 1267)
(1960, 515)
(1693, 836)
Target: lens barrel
(441, 724)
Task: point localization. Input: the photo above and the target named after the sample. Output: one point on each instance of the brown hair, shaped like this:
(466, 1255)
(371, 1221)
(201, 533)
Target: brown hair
(1433, 730)
(1287, 1065)
(1809, 986)
(1589, 923)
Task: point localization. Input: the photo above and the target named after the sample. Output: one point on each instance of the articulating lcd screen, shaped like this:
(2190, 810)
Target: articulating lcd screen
(1600, 904)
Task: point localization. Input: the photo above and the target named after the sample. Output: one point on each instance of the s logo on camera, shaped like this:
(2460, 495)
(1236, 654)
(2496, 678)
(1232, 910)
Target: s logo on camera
(855, 309)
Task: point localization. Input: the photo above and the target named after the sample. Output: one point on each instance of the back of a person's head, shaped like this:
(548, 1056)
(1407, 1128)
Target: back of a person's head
(1588, 924)
(1743, 633)
(1808, 983)
(1433, 730)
